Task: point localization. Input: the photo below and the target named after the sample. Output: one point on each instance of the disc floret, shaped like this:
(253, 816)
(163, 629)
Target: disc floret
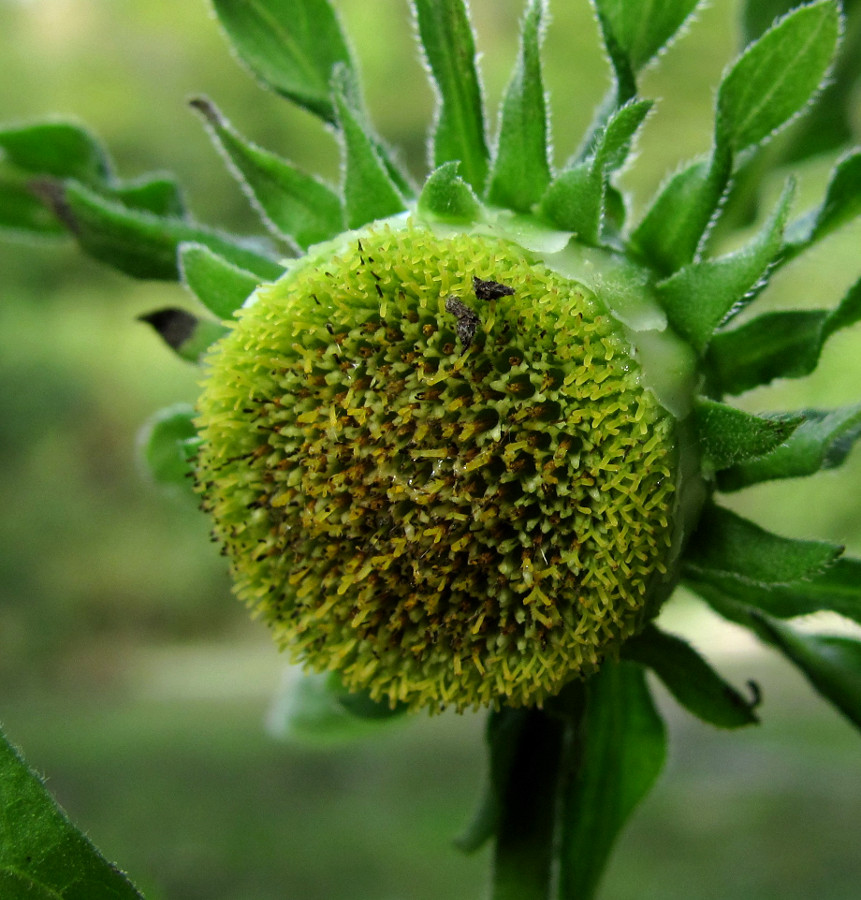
(435, 468)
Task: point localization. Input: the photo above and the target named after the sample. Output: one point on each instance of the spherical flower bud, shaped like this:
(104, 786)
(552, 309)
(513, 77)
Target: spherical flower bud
(438, 465)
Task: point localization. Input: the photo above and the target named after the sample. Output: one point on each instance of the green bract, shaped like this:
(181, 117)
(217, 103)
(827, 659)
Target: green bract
(435, 468)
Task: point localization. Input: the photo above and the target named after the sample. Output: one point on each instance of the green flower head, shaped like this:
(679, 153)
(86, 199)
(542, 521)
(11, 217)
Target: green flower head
(463, 448)
(462, 443)
(436, 468)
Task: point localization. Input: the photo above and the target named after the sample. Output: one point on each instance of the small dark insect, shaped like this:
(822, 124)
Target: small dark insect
(467, 320)
(490, 290)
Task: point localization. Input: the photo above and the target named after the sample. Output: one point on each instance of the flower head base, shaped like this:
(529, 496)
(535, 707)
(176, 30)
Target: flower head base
(452, 492)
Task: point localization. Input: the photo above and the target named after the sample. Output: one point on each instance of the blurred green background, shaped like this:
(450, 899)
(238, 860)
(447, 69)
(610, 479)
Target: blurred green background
(140, 687)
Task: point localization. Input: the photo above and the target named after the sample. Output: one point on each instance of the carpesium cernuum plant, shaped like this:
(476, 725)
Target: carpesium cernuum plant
(461, 438)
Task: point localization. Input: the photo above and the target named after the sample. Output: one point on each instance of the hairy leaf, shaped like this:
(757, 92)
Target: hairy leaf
(140, 243)
(42, 855)
(369, 192)
(726, 547)
(772, 81)
(673, 227)
(577, 199)
(828, 125)
(823, 441)
(615, 752)
(292, 46)
(22, 212)
(837, 589)
(635, 31)
(729, 435)
(842, 203)
(449, 48)
(831, 664)
(219, 285)
(777, 75)
(702, 295)
(292, 203)
(572, 202)
(614, 144)
(689, 678)
(157, 194)
(56, 149)
(520, 171)
(757, 16)
(168, 443)
(777, 345)
(48, 151)
(447, 197)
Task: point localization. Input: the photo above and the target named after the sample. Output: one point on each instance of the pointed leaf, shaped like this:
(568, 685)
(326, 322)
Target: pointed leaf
(635, 31)
(57, 149)
(837, 589)
(63, 150)
(168, 443)
(293, 204)
(42, 855)
(310, 708)
(449, 49)
(614, 144)
(158, 194)
(672, 229)
(831, 664)
(774, 345)
(572, 202)
(690, 679)
(726, 547)
(757, 16)
(292, 46)
(219, 285)
(703, 295)
(776, 76)
(369, 192)
(139, 243)
(576, 199)
(828, 126)
(842, 203)
(520, 171)
(729, 435)
(22, 212)
(615, 752)
(823, 441)
(187, 335)
(448, 198)
(777, 345)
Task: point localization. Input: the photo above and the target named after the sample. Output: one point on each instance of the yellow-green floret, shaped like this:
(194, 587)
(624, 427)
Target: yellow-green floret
(444, 517)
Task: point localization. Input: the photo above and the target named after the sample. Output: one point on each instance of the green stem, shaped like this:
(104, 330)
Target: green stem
(525, 856)
(566, 780)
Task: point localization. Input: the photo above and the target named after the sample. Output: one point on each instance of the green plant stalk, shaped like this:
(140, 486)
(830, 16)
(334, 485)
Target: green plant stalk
(526, 852)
